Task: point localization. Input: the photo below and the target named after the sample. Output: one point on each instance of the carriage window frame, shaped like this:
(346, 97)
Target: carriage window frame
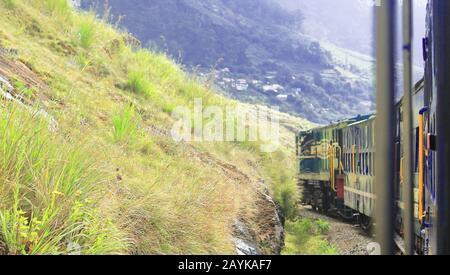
(363, 164)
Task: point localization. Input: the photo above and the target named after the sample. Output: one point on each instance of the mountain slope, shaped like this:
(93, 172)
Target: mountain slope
(251, 50)
(88, 165)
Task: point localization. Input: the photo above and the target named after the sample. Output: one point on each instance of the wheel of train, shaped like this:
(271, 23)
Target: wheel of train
(365, 222)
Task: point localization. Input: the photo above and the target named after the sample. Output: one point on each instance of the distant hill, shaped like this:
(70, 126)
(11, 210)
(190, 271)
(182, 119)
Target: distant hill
(253, 52)
(349, 23)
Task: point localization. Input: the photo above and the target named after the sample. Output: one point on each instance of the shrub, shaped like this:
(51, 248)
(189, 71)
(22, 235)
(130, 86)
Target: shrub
(279, 169)
(304, 238)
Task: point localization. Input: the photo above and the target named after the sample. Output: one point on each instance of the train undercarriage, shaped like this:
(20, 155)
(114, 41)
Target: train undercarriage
(320, 196)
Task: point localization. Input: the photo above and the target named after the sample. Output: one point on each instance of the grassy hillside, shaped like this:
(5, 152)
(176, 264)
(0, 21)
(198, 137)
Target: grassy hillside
(87, 164)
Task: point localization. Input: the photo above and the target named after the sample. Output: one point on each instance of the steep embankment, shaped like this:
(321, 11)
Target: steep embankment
(87, 165)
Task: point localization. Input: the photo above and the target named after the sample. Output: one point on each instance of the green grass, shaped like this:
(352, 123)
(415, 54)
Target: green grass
(125, 125)
(280, 169)
(83, 60)
(322, 227)
(23, 89)
(306, 237)
(47, 192)
(9, 3)
(110, 180)
(60, 7)
(86, 31)
(138, 83)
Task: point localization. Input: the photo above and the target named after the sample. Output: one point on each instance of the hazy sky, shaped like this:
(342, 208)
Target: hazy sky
(348, 23)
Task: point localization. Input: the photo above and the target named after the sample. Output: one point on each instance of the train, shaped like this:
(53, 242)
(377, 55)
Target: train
(336, 162)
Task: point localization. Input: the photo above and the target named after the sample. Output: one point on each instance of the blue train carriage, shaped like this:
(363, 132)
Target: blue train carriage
(436, 78)
(359, 168)
(418, 126)
(321, 167)
(313, 159)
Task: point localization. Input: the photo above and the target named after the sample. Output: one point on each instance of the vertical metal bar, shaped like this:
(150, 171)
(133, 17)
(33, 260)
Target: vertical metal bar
(384, 135)
(408, 185)
(441, 44)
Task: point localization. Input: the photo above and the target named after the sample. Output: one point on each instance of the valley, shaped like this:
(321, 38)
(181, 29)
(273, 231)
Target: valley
(255, 57)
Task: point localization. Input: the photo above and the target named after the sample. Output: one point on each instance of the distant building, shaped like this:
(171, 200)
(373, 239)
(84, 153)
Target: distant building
(241, 85)
(273, 88)
(282, 97)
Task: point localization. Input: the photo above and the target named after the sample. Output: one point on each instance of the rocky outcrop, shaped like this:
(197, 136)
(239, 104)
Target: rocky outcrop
(3, 248)
(264, 235)
(7, 92)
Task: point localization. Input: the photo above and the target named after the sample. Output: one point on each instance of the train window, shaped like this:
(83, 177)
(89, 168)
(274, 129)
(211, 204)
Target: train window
(364, 164)
(346, 162)
(349, 163)
(359, 163)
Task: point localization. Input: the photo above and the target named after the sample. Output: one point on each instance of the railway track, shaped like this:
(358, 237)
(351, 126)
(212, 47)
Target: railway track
(345, 235)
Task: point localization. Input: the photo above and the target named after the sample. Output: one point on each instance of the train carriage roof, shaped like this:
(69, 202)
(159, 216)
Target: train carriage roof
(341, 123)
(418, 87)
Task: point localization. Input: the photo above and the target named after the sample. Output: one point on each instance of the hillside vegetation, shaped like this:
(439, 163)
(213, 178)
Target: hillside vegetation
(255, 51)
(87, 164)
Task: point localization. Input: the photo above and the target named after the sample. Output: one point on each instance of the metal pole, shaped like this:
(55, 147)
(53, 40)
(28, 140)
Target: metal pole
(384, 136)
(441, 44)
(408, 185)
